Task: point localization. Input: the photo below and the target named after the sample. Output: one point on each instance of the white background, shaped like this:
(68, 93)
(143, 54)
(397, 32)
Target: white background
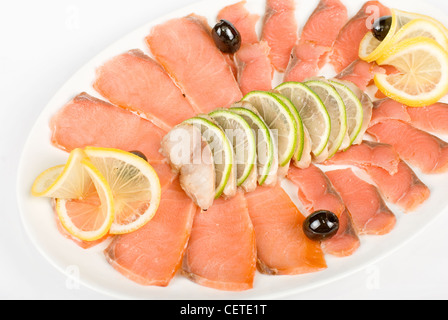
(42, 44)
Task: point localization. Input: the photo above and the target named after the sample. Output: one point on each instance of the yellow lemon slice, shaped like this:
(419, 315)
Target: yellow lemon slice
(134, 185)
(371, 48)
(406, 17)
(67, 181)
(422, 77)
(421, 28)
(90, 217)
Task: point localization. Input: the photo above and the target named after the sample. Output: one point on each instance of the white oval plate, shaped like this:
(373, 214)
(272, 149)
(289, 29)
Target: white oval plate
(91, 266)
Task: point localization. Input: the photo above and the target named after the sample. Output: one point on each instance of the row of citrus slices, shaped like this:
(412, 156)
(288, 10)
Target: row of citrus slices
(417, 46)
(101, 191)
(263, 132)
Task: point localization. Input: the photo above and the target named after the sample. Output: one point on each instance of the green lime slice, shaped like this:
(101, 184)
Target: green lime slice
(300, 132)
(336, 109)
(243, 142)
(312, 111)
(264, 142)
(353, 106)
(221, 148)
(279, 120)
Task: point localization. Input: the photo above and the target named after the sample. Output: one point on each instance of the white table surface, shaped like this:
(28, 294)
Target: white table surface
(42, 44)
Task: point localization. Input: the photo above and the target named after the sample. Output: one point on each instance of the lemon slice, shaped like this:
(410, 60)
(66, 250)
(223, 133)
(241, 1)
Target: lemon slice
(403, 27)
(243, 142)
(279, 119)
(134, 184)
(90, 217)
(371, 48)
(337, 111)
(421, 28)
(67, 181)
(405, 17)
(423, 72)
(221, 148)
(312, 111)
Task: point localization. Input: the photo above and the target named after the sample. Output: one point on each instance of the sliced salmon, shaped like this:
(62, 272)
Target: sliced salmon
(433, 118)
(360, 72)
(244, 21)
(282, 247)
(404, 188)
(280, 31)
(316, 41)
(315, 190)
(368, 154)
(419, 148)
(346, 241)
(387, 109)
(254, 67)
(346, 46)
(88, 121)
(368, 210)
(221, 253)
(152, 255)
(136, 82)
(316, 193)
(304, 62)
(185, 48)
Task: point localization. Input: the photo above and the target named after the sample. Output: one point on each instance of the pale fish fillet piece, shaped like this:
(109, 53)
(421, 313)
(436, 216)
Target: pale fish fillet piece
(190, 155)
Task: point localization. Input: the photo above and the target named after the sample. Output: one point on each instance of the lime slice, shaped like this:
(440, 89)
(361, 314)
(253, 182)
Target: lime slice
(221, 149)
(312, 112)
(264, 142)
(243, 141)
(300, 133)
(336, 109)
(279, 119)
(354, 109)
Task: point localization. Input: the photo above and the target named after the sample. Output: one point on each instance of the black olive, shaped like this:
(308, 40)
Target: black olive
(381, 27)
(321, 225)
(227, 38)
(139, 154)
